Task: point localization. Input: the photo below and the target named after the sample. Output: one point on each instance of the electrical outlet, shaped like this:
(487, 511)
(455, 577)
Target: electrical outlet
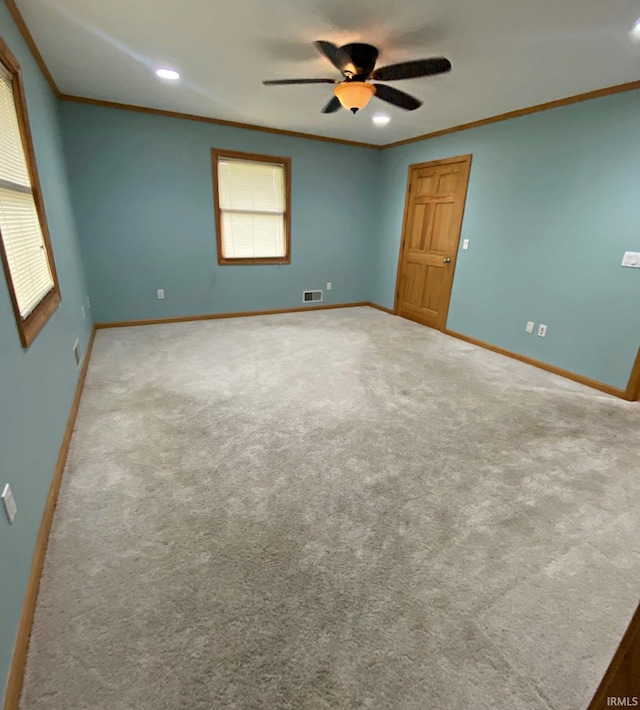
(76, 352)
(160, 294)
(328, 285)
(542, 330)
(9, 502)
(465, 244)
(530, 326)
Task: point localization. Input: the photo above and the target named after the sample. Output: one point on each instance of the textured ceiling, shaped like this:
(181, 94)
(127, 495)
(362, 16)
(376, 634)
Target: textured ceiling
(506, 54)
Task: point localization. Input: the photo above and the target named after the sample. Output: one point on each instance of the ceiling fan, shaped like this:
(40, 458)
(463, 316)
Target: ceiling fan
(357, 62)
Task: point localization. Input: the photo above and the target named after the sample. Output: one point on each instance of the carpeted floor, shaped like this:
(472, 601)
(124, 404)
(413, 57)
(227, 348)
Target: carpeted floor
(339, 509)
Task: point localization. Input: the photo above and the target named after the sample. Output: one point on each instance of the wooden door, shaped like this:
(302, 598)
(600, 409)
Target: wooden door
(432, 220)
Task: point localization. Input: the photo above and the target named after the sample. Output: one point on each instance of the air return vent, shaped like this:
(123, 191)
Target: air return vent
(311, 296)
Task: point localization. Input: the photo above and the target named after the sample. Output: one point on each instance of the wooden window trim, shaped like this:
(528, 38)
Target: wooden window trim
(36, 320)
(216, 154)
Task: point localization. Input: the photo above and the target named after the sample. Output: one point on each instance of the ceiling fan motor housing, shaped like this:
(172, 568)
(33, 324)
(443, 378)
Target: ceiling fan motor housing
(361, 60)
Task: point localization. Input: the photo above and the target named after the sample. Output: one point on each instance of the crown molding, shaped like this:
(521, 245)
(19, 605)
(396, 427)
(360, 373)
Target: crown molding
(216, 121)
(28, 38)
(537, 108)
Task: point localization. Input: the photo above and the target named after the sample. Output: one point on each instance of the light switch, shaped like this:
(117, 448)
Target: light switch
(632, 259)
(465, 244)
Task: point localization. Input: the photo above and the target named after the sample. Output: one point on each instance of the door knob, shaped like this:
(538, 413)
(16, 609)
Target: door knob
(446, 260)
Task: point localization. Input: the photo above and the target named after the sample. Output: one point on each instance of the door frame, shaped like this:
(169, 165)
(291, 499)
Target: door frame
(633, 386)
(419, 166)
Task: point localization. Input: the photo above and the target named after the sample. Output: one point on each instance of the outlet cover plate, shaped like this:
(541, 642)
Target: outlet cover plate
(76, 353)
(631, 259)
(9, 502)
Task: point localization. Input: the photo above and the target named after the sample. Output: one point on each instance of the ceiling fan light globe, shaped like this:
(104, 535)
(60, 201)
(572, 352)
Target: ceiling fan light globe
(354, 95)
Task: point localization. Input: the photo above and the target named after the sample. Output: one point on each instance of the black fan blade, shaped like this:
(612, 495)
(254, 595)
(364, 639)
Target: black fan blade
(397, 97)
(287, 82)
(334, 54)
(412, 70)
(333, 106)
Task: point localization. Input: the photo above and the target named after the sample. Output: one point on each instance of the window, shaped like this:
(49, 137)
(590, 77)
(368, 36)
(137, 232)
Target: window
(26, 249)
(251, 196)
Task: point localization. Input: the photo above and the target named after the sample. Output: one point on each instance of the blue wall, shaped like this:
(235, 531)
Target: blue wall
(553, 203)
(36, 385)
(551, 208)
(143, 196)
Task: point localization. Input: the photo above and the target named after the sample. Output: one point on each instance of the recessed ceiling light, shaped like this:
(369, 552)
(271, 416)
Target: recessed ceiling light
(635, 32)
(381, 120)
(168, 74)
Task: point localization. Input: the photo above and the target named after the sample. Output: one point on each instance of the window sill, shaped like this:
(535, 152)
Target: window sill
(36, 321)
(244, 262)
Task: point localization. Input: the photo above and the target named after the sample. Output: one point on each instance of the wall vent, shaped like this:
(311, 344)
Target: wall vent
(312, 296)
(76, 353)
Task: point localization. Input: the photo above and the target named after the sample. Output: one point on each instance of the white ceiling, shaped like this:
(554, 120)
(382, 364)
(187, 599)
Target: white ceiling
(506, 54)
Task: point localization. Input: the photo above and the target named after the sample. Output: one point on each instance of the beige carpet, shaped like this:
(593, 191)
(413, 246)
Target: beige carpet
(339, 509)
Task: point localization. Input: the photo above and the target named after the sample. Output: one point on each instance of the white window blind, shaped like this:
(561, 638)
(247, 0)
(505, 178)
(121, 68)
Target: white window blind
(252, 201)
(19, 223)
